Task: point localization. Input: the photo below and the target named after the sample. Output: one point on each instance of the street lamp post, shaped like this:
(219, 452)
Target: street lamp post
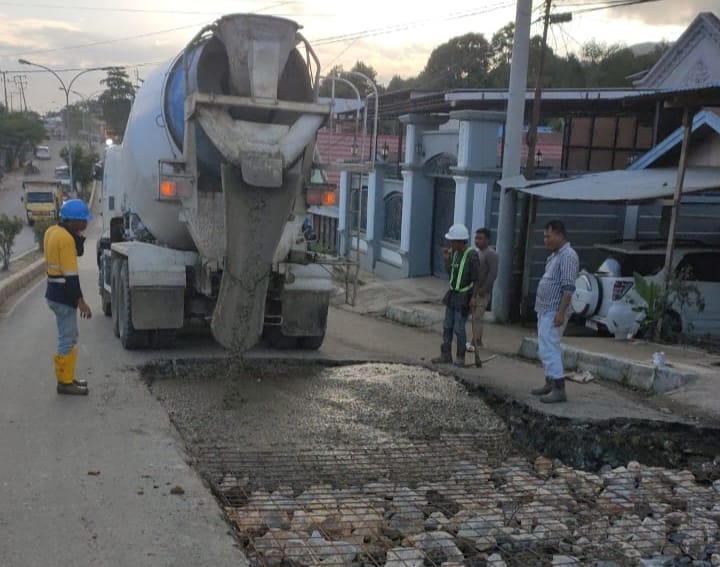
(66, 89)
(86, 100)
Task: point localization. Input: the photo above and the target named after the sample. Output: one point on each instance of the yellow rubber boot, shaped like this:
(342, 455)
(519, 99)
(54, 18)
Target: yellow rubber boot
(65, 373)
(73, 365)
(61, 369)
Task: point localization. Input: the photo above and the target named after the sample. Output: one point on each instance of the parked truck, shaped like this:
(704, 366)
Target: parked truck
(204, 200)
(42, 200)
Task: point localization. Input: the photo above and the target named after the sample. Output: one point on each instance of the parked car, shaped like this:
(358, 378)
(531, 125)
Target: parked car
(606, 297)
(42, 152)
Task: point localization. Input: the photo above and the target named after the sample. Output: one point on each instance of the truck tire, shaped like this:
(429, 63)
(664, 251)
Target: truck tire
(276, 339)
(130, 338)
(163, 338)
(311, 343)
(115, 294)
(106, 303)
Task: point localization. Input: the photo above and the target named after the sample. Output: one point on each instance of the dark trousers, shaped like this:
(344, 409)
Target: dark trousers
(455, 320)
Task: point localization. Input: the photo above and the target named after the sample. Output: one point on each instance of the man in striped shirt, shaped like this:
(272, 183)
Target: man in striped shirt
(552, 305)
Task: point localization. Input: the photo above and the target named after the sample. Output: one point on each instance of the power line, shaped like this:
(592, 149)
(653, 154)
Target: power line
(136, 10)
(407, 26)
(101, 42)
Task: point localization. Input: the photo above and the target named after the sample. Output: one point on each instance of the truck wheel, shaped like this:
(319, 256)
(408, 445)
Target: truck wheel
(106, 303)
(163, 338)
(311, 343)
(277, 340)
(115, 294)
(129, 337)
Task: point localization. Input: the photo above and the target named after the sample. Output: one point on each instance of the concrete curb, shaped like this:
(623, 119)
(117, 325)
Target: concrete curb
(13, 284)
(627, 372)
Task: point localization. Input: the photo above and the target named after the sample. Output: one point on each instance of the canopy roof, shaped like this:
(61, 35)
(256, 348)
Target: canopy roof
(619, 185)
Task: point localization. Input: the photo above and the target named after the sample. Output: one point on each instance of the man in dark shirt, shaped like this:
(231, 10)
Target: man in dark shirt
(488, 266)
(461, 263)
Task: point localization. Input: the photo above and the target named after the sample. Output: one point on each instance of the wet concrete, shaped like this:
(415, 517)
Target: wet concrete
(284, 446)
(277, 406)
(258, 406)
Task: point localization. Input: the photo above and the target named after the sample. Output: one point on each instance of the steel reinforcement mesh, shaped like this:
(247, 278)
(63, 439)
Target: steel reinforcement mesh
(462, 500)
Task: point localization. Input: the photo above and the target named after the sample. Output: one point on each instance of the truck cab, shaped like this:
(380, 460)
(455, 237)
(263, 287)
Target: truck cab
(42, 199)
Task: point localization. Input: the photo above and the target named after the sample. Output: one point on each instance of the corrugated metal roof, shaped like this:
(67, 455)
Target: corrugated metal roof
(620, 185)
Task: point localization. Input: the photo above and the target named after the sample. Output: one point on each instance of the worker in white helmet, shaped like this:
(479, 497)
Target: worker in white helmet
(461, 263)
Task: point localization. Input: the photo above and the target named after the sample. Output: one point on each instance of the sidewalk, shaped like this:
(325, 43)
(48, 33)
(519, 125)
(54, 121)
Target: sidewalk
(689, 382)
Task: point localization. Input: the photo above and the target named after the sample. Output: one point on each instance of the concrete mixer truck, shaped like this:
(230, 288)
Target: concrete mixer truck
(204, 200)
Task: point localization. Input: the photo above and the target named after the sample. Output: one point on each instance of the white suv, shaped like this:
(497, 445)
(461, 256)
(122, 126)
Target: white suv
(606, 298)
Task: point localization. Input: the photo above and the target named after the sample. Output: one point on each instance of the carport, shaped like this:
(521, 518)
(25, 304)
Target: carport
(664, 184)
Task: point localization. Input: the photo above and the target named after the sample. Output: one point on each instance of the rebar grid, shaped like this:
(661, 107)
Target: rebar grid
(463, 500)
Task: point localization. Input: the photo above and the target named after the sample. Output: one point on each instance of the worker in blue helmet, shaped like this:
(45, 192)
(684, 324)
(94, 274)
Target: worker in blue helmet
(63, 244)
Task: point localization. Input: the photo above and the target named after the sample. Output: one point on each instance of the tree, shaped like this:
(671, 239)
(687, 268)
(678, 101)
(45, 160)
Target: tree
(19, 133)
(83, 162)
(397, 83)
(10, 227)
(342, 90)
(461, 62)
(116, 100)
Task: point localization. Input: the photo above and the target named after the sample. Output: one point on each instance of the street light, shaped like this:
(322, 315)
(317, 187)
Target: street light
(85, 111)
(66, 89)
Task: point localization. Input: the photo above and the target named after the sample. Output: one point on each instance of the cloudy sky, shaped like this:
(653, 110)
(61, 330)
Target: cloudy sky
(390, 36)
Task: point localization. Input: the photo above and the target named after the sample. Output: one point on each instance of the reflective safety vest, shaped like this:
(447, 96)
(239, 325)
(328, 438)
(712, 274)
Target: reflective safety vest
(63, 281)
(456, 278)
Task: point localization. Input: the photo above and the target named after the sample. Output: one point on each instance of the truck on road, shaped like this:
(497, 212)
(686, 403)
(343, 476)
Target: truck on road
(42, 200)
(204, 200)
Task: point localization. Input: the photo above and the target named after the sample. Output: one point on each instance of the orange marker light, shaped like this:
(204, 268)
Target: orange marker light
(168, 189)
(329, 198)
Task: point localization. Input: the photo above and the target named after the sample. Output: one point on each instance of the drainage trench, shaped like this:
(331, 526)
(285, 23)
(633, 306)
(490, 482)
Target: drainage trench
(382, 464)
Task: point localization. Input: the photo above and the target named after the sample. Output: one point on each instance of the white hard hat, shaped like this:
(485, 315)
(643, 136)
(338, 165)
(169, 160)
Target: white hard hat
(458, 232)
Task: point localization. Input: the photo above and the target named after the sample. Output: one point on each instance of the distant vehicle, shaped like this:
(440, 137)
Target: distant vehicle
(62, 174)
(42, 152)
(42, 200)
(606, 297)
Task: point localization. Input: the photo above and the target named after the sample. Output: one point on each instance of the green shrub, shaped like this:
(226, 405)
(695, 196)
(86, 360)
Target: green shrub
(39, 229)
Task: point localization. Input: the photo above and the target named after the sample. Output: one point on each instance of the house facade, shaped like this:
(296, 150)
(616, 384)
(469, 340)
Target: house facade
(394, 217)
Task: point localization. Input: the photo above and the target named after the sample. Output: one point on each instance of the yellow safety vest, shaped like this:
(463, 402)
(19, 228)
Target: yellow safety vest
(456, 280)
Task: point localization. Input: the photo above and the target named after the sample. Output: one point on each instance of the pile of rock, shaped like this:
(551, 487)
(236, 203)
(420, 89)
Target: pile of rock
(546, 513)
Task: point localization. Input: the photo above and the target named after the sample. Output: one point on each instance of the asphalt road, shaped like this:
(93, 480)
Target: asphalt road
(98, 481)
(11, 191)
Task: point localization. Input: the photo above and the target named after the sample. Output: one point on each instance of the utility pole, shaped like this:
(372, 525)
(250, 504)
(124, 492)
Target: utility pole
(531, 138)
(4, 74)
(21, 83)
(511, 158)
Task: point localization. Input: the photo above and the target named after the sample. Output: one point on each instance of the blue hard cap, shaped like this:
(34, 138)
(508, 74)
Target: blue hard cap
(75, 209)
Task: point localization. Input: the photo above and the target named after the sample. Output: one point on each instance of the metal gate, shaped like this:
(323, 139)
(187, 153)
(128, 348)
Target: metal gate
(443, 216)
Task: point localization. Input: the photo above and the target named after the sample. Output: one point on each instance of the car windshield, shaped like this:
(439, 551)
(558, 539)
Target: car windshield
(40, 198)
(623, 265)
(62, 174)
